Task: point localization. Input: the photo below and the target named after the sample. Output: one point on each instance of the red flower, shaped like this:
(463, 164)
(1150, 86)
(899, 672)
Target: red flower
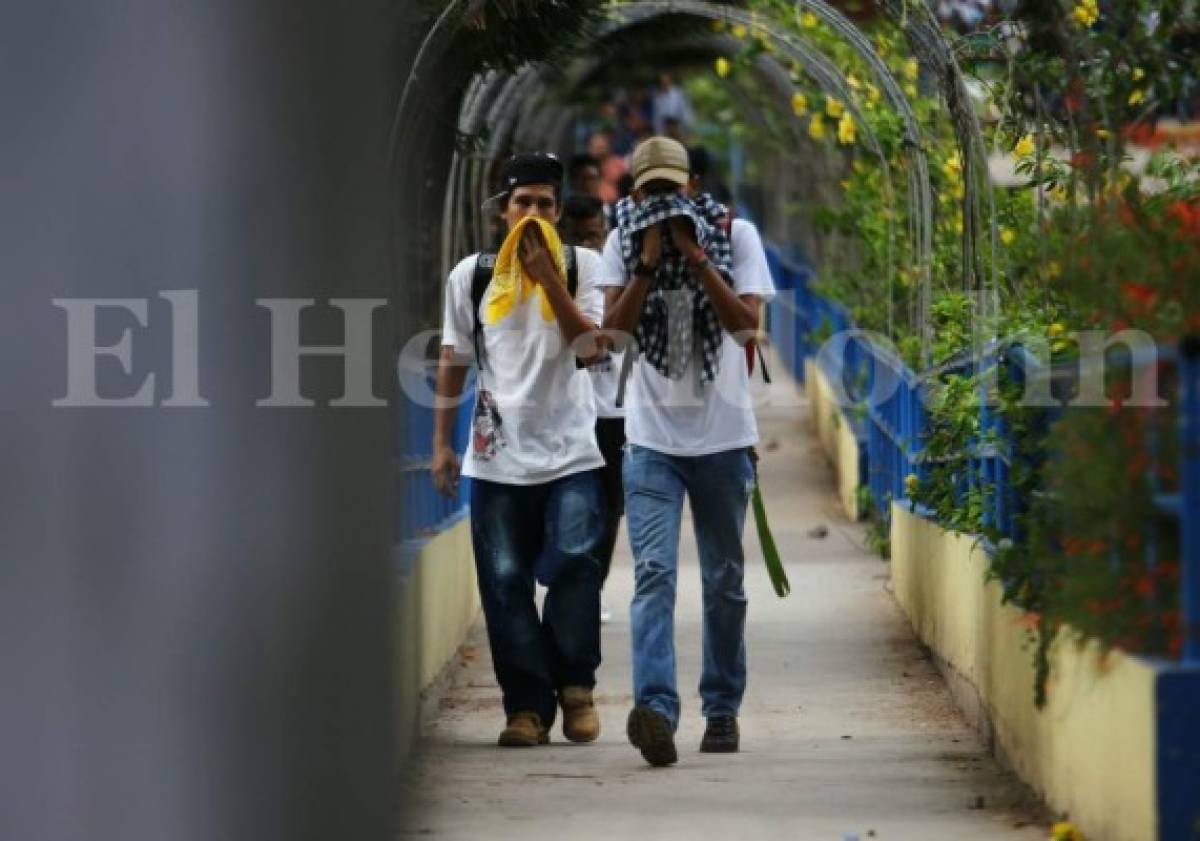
(1083, 160)
(1188, 216)
(1144, 586)
(1140, 294)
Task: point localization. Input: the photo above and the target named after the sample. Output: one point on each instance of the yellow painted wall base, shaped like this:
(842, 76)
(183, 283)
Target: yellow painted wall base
(836, 437)
(1091, 751)
(436, 605)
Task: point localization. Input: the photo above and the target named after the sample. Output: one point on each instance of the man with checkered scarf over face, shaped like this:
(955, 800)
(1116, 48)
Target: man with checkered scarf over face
(676, 296)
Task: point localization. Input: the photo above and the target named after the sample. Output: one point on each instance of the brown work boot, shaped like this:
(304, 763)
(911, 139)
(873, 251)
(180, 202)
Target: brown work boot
(580, 721)
(524, 730)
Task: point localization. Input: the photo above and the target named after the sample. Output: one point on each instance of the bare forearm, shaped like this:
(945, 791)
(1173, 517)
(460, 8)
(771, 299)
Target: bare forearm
(739, 318)
(571, 321)
(451, 376)
(623, 313)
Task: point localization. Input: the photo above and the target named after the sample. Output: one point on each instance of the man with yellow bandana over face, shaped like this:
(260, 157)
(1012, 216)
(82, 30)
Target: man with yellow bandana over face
(533, 460)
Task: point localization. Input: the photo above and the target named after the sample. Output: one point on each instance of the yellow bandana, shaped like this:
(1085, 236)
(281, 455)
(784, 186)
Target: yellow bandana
(511, 284)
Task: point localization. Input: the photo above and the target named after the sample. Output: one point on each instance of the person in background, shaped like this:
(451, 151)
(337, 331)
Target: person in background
(583, 176)
(583, 223)
(671, 103)
(612, 166)
(749, 256)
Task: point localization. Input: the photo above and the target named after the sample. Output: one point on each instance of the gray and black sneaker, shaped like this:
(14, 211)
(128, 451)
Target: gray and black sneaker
(650, 732)
(721, 735)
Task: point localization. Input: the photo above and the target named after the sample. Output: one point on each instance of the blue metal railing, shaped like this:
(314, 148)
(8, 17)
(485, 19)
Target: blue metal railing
(421, 511)
(892, 400)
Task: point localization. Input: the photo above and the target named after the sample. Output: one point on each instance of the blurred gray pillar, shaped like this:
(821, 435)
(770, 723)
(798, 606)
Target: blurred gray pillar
(194, 602)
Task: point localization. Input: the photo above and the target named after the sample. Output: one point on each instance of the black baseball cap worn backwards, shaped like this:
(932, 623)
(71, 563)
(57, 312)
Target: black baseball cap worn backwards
(527, 168)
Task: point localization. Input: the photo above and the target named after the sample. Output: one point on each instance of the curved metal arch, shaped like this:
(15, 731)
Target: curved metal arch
(927, 41)
(920, 191)
(930, 48)
(830, 79)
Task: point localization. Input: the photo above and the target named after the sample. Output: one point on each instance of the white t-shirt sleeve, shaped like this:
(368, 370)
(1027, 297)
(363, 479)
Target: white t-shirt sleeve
(589, 297)
(611, 269)
(458, 322)
(751, 274)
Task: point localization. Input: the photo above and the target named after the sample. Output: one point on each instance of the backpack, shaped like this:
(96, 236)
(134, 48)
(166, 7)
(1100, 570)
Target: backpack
(485, 265)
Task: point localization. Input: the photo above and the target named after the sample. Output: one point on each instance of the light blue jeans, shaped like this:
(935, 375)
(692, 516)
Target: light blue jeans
(718, 487)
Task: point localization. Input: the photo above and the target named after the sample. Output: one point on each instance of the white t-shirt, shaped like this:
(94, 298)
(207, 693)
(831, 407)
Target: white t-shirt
(539, 423)
(686, 417)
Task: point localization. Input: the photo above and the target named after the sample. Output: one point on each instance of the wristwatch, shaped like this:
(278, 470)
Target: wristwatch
(644, 269)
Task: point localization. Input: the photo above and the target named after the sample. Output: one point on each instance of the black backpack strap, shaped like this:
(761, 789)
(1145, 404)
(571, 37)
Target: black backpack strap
(569, 257)
(485, 265)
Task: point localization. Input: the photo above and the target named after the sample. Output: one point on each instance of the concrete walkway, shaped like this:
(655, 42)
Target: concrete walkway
(847, 729)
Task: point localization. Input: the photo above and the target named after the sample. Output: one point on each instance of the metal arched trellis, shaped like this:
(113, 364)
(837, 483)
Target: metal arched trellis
(496, 100)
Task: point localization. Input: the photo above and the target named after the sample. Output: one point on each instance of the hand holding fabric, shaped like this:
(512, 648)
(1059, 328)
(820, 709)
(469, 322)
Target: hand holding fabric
(535, 256)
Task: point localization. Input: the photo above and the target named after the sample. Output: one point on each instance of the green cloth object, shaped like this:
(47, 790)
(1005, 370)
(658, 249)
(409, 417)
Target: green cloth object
(779, 579)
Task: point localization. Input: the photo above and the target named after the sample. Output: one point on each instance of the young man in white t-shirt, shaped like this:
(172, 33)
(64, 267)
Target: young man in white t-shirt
(536, 510)
(686, 437)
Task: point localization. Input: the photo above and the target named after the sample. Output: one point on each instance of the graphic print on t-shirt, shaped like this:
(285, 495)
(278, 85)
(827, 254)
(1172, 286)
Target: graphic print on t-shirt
(487, 427)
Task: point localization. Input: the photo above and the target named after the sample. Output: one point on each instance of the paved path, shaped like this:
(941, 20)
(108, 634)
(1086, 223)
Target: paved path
(847, 729)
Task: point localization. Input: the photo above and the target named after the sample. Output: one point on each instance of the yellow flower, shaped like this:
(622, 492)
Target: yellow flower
(1053, 269)
(1056, 329)
(957, 191)
(816, 128)
(846, 130)
(952, 168)
(1086, 13)
(873, 94)
(958, 224)
(808, 20)
(834, 108)
(739, 31)
(1059, 193)
(910, 90)
(1102, 133)
(853, 82)
(1138, 74)
(1060, 346)
(799, 104)
(911, 69)
(1025, 147)
(723, 67)
(1008, 236)
(1137, 96)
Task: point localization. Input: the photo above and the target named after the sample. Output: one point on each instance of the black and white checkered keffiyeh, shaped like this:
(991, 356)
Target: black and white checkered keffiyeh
(677, 317)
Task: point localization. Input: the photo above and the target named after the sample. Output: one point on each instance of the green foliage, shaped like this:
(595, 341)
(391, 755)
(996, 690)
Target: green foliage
(509, 33)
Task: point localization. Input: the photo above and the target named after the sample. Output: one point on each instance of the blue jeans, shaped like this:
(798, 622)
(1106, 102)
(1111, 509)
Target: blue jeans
(719, 487)
(554, 527)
